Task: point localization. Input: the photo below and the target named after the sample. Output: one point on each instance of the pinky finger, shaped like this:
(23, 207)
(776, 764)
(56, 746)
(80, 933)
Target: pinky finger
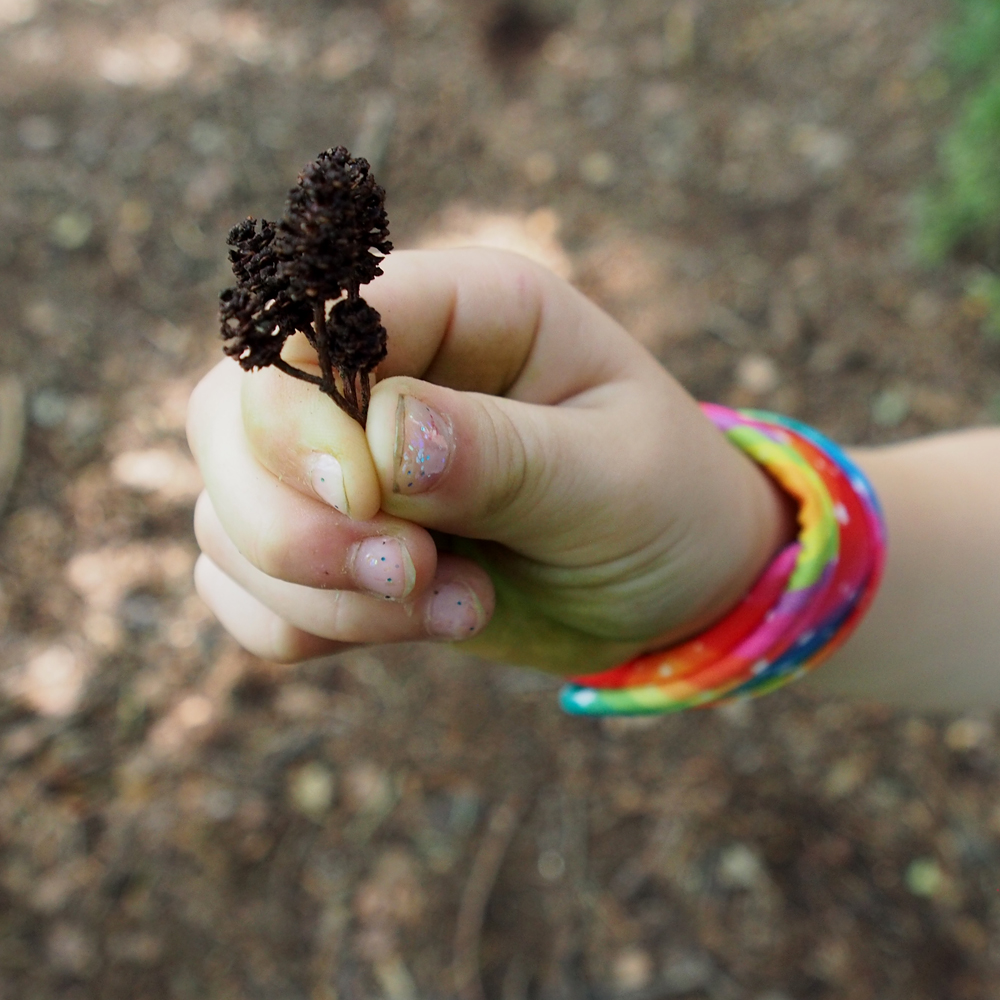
(254, 625)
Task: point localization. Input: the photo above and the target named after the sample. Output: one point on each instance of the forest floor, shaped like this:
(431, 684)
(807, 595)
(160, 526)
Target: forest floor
(734, 182)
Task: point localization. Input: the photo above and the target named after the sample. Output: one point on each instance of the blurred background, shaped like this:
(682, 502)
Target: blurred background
(793, 203)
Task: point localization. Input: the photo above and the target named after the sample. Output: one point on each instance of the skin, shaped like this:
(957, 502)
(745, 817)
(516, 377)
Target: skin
(562, 426)
(587, 510)
(932, 637)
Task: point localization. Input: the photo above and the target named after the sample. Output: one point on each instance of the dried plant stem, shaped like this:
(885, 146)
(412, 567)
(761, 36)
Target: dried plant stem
(322, 336)
(12, 423)
(329, 388)
(351, 392)
(282, 365)
(366, 396)
(347, 400)
(500, 829)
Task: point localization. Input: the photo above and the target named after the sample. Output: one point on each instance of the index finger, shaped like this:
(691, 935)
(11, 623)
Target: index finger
(490, 321)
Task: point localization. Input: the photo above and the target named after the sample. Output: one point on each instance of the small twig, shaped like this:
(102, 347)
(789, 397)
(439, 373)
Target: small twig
(11, 434)
(329, 389)
(350, 390)
(319, 326)
(500, 829)
(282, 365)
(366, 396)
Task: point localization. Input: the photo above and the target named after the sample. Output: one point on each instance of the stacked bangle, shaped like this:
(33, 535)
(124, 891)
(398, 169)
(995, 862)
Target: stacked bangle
(800, 610)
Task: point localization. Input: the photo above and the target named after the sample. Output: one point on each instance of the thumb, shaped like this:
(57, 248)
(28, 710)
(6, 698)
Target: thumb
(525, 475)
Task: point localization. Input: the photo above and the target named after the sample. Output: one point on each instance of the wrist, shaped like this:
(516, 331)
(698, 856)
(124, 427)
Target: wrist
(741, 535)
(802, 607)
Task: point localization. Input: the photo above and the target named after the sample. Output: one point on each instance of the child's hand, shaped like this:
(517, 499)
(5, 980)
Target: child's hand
(609, 514)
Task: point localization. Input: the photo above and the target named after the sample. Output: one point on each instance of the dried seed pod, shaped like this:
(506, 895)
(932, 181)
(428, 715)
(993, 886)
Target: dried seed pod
(334, 217)
(329, 242)
(258, 315)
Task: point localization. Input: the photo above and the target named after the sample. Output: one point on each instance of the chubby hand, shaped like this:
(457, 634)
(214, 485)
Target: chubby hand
(531, 481)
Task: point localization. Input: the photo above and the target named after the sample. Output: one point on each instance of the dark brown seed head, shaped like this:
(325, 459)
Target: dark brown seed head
(258, 315)
(329, 243)
(359, 339)
(334, 218)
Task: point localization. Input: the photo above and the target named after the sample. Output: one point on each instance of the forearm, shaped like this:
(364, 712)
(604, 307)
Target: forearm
(932, 637)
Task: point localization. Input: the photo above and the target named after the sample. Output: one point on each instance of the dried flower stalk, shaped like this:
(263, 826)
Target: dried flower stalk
(304, 273)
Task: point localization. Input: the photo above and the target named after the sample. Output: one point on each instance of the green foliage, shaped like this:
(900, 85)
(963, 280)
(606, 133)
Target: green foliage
(973, 44)
(984, 291)
(961, 211)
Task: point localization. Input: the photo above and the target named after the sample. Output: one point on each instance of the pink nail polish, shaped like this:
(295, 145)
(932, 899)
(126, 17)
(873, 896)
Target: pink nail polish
(424, 443)
(454, 612)
(383, 567)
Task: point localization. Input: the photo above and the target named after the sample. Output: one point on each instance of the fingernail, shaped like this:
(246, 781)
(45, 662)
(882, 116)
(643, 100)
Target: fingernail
(424, 443)
(328, 482)
(454, 612)
(383, 566)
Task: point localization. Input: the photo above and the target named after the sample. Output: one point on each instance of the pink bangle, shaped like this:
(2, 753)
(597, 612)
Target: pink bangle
(804, 605)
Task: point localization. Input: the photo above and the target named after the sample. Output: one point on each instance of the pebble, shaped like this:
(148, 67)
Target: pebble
(157, 470)
(757, 373)
(740, 867)
(53, 682)
(598, 169)
(924, 877)
(844, 777)
(311, 788)
(890, 408)
(135, 216)
(824, 150)
(551, 865)
(71, 230)
(155, 60)
(48, 408)
(632, 969)
(963, 735)
(395, 979)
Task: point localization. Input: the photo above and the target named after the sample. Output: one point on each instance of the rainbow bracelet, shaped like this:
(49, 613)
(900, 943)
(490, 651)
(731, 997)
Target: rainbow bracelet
(804, 605)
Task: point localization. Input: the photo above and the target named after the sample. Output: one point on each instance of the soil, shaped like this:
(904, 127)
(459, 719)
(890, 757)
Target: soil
(733, 180)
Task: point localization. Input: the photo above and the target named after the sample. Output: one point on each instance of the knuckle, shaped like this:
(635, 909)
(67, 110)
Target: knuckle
(267, 547)
(506, 447)
(336, 624)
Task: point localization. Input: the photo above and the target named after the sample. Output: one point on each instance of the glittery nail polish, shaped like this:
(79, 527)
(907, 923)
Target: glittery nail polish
(424, 443)
(382, 566)
(454, 612)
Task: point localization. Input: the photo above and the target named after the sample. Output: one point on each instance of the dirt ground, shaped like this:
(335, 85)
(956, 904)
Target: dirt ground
(732, 179)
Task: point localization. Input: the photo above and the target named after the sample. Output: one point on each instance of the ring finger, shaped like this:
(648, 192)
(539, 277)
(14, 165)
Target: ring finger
(457, 604)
